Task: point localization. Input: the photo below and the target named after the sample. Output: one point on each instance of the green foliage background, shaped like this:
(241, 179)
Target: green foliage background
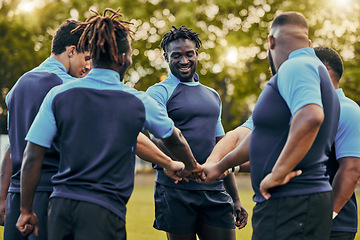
(236, 26)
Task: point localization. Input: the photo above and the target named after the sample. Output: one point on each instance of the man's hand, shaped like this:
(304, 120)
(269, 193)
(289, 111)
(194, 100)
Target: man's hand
(241, 216)
(195, 173)
(213, 173)
(173, 171)
(271, 181)
(28, 223)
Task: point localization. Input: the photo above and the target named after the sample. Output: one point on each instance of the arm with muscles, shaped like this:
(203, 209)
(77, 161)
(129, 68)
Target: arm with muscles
(346, 180)
(240, 213)
(236, 157)
(180, 150)
(231, 188)
(148, 151)
(228, 143)
(30, 176)
(5, 174)
(303, 131)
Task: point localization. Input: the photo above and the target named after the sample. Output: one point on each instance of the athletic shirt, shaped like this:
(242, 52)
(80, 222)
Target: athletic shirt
(196, 111)
(23, 102)
(301, 80)
(347, 142)
(98, 119)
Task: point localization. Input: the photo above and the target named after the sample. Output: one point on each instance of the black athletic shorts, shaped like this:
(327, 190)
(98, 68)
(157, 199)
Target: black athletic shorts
(71, 219)
(305, 217)
(179, 211)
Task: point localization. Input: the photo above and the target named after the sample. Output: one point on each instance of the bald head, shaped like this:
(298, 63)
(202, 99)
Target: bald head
(289, 32)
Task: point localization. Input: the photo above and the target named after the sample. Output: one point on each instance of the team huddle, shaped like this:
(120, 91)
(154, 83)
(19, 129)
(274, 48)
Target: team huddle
(75, 128)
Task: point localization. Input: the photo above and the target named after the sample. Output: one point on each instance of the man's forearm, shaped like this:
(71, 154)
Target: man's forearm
(148, 151)
(5, 174)
(345, 181)
(228, 143)
(30, 175)
(180, 149)
(236, 157)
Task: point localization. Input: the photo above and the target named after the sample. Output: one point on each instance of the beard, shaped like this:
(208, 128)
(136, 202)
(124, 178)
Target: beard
(271, 62)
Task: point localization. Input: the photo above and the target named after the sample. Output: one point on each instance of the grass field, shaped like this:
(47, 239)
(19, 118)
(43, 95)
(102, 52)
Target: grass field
(140, 215)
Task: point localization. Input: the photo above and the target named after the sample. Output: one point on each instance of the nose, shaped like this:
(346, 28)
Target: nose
(88, 65)
(184, 60)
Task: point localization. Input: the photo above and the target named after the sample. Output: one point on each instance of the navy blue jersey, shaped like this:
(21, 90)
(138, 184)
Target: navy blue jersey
(97, 120)
(23, 102)
(301, 80)
(347, 142)
(196, 111)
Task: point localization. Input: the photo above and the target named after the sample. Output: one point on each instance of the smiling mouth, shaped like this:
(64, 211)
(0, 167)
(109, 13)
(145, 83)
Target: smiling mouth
(184, 69)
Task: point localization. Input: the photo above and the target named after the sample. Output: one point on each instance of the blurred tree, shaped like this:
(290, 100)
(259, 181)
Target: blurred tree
(233, 58)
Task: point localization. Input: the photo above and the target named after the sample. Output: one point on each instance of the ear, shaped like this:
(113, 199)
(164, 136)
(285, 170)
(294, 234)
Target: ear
(310, 43)
(71, 50)
(271, 42)
(166, 57)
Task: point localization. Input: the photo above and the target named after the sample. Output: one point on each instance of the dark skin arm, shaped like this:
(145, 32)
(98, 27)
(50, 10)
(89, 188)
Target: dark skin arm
(5, 174)
(149, 152)
(180, 150)
(303, 131)
(231, 188)
(234, 158)
(30, 176)
(345, 182)
(228, 143)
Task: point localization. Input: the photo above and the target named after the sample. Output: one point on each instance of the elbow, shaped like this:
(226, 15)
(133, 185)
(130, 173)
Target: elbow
(315, 117)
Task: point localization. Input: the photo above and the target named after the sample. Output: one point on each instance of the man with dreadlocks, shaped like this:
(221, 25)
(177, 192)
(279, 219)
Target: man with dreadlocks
(65, 64)
(98, 120)
(187, 209)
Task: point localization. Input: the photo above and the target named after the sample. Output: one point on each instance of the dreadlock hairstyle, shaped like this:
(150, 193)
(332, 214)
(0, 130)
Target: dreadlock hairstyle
(180, 32)
(64, 36)
(105, 36)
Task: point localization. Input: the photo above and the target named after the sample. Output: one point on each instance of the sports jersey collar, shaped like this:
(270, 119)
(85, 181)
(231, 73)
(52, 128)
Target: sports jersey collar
(104, 75)
(175, 79)
(340, 92)
(302, 52)
(52, 62)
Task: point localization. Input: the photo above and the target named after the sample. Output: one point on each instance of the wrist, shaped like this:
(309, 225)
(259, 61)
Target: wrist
(26, 210)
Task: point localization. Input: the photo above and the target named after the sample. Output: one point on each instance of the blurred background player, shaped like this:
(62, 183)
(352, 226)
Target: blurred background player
(65, 64)
(343, 166)
(187, 209)
(98, 120)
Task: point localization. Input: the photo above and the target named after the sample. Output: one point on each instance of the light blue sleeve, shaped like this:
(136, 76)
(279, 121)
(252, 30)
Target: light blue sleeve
(159, 93)
(219, 127)
(299, 84)
(347, 140)
(43, 129)
(248, 124)
(157, 120)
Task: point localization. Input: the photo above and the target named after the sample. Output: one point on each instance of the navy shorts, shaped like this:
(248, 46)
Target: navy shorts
(12, 213)
(304, 217)
(71, 219)
(179, 211)
(342, 236)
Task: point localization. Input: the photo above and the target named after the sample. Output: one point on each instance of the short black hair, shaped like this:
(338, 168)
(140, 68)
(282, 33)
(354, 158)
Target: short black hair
(331, 59)
(64, 38)
(180, 32)
(294, 18)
